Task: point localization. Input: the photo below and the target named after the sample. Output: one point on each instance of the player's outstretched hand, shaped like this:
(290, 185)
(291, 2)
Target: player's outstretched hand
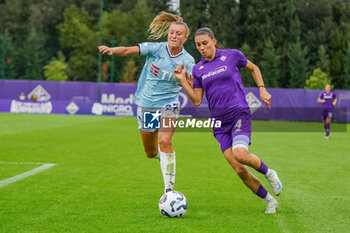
(180, 73)
(104, 49)
(189, 80)
(266, 97)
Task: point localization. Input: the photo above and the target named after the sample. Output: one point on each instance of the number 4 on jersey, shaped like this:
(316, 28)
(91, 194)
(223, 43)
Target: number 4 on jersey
(238, 125)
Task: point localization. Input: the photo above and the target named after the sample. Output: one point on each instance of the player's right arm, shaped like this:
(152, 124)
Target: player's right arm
(122, 51)
(320, 99)
(194, 94)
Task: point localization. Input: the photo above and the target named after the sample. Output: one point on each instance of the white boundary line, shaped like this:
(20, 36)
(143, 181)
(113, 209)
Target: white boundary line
(2, 162)
(21, 176)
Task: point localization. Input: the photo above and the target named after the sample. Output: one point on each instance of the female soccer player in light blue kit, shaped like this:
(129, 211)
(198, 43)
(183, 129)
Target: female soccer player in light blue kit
(157, 92)
(217, 75)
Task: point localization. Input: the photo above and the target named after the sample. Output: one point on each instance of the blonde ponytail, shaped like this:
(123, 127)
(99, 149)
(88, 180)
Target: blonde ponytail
(161, 23)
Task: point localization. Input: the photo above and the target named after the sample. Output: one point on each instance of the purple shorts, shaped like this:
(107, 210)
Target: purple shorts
(327, 113)
(238, 124)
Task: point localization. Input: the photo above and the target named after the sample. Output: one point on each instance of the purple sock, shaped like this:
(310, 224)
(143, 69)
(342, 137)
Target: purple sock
(327, 128)
(263, 168)
(261, 192)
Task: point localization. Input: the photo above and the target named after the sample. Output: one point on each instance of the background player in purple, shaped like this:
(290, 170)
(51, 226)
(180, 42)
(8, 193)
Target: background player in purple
(328, 100)
(218, 76)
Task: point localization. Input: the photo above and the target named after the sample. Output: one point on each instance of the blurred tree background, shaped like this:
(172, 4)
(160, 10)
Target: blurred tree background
(296, 43)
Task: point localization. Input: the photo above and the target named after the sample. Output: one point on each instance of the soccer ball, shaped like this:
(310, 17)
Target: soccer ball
(173, 204)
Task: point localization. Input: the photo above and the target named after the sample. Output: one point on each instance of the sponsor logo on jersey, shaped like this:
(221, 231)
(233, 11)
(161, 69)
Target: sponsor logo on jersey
(160, 57)
(154, 70)
(328, 96)
(214, 72)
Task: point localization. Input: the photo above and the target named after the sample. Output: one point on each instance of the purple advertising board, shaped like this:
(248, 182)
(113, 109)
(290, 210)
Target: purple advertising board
(49, 97)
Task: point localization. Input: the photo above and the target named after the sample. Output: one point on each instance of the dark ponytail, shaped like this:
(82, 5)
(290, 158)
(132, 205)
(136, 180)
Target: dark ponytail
(209, 32)
(219, 45)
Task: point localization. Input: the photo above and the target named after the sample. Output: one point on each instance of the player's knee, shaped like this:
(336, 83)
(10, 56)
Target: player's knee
(165, 143)
(241, 171)
(241, 155)
(150, 153)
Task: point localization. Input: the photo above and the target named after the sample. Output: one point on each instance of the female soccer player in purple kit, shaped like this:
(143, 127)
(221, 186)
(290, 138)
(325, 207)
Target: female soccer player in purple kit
(328, 100)
(217, 74)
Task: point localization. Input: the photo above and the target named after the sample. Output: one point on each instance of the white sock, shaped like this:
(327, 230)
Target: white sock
(268, 172)
(268, 197)
(168, 167)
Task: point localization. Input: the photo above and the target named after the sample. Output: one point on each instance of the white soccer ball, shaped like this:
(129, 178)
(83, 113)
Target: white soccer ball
(173, 204)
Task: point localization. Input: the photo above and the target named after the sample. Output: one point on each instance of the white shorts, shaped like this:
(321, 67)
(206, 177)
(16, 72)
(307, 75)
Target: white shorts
(170, 110)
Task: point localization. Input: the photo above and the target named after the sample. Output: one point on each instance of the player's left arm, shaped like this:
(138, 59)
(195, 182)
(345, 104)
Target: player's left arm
(122, 51)
(335, 101)
(264, 94)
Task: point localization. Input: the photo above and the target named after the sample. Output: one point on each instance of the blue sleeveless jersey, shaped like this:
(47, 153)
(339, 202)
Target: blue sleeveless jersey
(156, 86)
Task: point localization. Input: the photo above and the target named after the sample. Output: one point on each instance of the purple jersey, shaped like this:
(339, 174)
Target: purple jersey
(329, 99)
(221, 81)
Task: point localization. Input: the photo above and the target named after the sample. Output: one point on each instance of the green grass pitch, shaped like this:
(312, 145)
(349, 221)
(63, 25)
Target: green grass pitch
(103, 182)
